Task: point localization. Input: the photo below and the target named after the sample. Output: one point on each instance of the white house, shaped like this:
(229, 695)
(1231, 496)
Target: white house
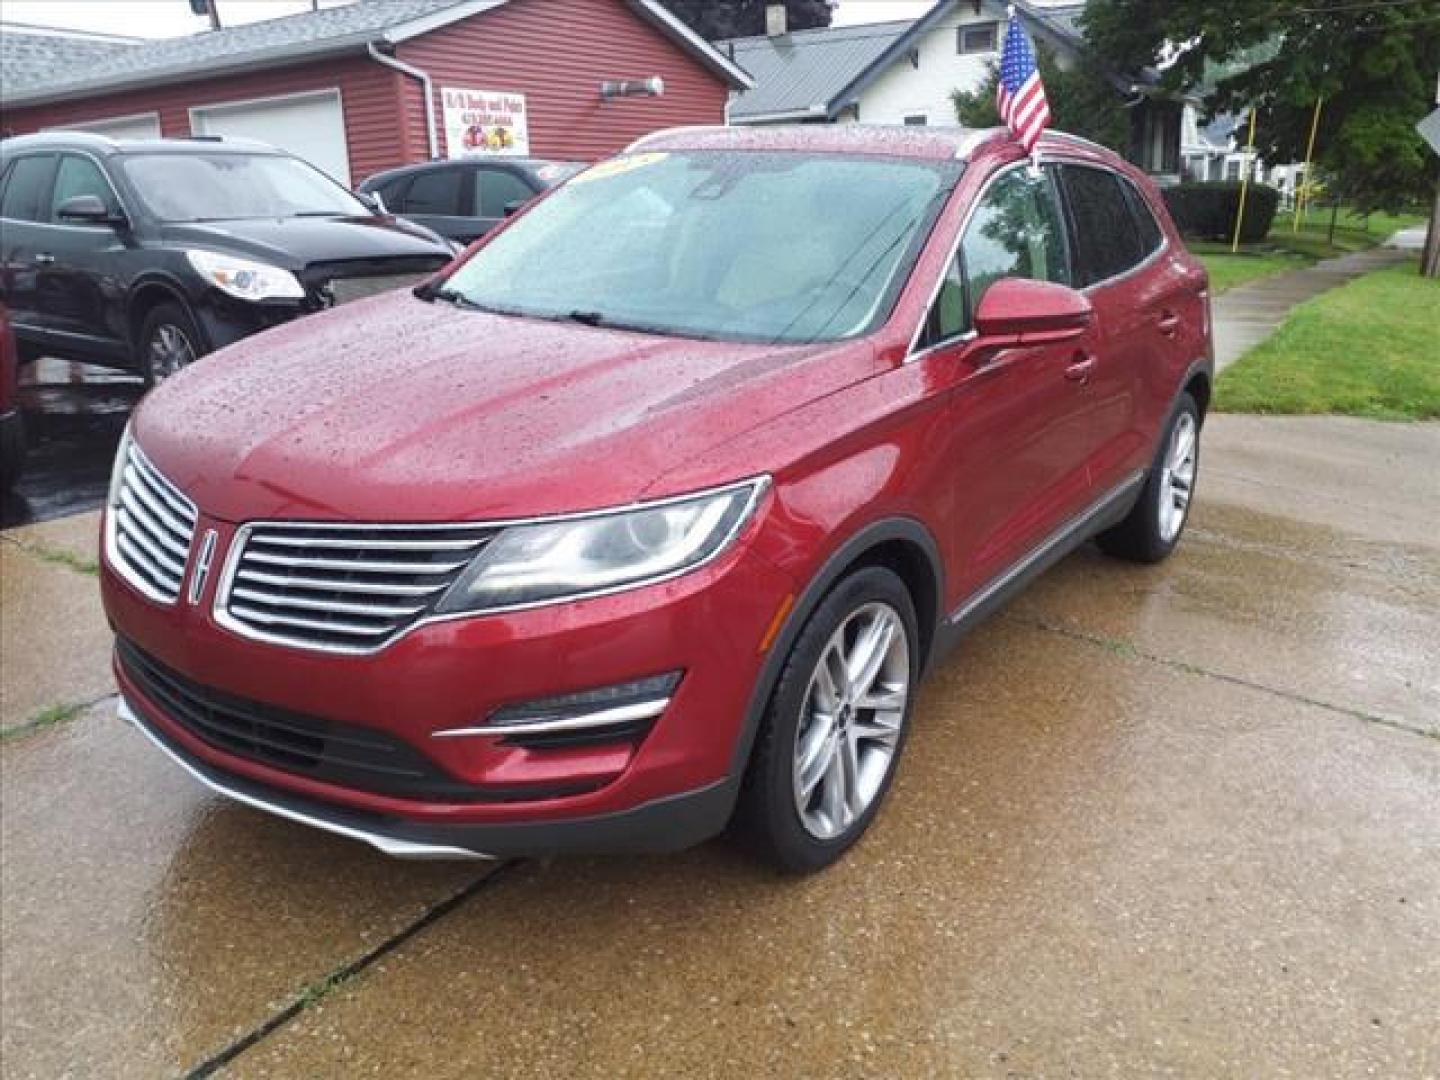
(905, 72)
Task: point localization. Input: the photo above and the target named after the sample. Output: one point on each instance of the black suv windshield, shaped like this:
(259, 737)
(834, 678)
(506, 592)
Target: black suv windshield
(227, 186)
(751, 246)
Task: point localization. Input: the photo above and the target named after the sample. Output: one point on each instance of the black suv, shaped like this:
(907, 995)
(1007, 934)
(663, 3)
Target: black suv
(145, 254)
(463, 200)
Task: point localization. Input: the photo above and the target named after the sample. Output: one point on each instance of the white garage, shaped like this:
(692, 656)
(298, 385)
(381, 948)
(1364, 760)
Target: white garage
(139, 126)
(310, 126)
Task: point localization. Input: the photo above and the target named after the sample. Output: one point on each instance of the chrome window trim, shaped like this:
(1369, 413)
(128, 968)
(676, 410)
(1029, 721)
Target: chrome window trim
(758, 486)
(59, 153)
(912, 354)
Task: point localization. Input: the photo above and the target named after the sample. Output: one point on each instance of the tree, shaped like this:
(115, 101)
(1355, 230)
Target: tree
(716, 19)
(1082, 101)
(1372, 61)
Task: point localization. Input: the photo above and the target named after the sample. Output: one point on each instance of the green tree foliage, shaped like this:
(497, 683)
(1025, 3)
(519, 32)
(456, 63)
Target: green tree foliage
(716, 19)
(1373, 61)
(1082, 101)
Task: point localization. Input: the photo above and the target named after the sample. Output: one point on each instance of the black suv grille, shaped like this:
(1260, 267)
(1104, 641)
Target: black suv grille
(350, 756)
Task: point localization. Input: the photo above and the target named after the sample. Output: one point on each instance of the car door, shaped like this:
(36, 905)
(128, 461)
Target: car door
(1130, 317)
(24, 202)
(496, 189)
(439, 199)
(1017, 474)
(82, 283)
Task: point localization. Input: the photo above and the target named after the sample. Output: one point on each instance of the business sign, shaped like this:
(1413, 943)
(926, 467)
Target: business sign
(485, 123)
(1429, 129)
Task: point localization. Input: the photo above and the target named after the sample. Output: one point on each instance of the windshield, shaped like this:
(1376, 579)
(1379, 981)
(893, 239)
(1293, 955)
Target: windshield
(753, 246)
(228, 186)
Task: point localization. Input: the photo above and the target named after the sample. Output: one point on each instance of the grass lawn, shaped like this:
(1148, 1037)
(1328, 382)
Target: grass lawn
(1227, 271)
(1284, 249)
(1370, 348)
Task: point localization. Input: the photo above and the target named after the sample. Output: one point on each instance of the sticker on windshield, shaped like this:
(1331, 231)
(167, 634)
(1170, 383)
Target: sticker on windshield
(619, 165)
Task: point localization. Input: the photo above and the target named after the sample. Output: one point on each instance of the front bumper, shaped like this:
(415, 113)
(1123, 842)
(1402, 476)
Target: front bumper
(660, 827)
(670, 788)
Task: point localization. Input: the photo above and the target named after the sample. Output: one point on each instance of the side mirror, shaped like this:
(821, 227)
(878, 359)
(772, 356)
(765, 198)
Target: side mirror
(373, 200)
(515, 207)
(1018, 311)
(88, 209)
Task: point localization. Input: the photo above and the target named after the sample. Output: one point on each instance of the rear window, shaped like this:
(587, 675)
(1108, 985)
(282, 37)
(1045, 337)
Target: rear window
(26, 186)
(1150, 234)
(1107, 242)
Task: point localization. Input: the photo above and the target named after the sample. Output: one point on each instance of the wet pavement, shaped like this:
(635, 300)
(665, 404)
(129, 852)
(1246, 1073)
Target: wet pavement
(74, 416)
(1175, 820)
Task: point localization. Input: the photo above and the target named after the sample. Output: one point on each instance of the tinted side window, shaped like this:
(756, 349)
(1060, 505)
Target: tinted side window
(27, 186)
(1016, 231)
(1150, 234)
(80, 176)
(1106, 240)
(435, 192)
(496, 189)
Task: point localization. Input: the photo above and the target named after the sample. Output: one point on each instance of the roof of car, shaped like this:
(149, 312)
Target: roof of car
(922, 143)
(103, 144)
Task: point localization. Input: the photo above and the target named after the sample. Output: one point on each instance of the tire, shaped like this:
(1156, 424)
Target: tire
(1152, 529)
(800, 833)
(169, 340)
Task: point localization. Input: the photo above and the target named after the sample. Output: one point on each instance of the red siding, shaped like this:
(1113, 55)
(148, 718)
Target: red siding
(556, 52)
(369, 95)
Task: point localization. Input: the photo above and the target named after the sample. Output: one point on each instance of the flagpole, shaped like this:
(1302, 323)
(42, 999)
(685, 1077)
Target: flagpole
(1302, 195)
(1244, 183)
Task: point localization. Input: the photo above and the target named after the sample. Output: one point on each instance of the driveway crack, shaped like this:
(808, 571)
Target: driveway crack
(1128, 649)
(314, 992)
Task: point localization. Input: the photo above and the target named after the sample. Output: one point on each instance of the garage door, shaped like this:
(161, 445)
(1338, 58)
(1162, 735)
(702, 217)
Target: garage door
(310, 126)
(145, 126)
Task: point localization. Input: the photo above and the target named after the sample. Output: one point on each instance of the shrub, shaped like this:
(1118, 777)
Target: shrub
(1207, 211)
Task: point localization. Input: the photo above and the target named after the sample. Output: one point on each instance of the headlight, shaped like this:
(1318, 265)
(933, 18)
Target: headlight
(245, 278)
(580, 556)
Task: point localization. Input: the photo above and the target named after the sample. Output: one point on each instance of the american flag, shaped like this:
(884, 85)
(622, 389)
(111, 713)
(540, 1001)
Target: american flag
(1020, 95)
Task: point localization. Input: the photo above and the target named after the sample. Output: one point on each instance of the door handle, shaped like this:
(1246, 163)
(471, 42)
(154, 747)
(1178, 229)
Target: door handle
(44, 258)
(1169, 324)
(1081, 367)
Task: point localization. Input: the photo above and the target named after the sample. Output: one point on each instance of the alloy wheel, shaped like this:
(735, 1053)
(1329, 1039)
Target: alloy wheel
(1177, 477)
(851, 720)
(169, 351)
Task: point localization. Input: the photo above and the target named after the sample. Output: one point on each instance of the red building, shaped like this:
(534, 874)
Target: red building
(379, 83)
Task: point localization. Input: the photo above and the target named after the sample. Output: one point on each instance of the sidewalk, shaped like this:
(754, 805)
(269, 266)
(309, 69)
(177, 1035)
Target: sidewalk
(1248, 314)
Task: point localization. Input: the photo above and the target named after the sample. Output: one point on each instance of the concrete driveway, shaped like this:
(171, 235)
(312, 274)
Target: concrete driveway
(1182, 820)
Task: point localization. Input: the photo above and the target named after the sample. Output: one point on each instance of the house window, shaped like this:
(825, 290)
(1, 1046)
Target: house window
(980, 38)
(917, 120)
(1232, 170)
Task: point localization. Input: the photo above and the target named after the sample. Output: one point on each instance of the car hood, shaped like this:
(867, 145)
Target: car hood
(394, 409)
(294, 243)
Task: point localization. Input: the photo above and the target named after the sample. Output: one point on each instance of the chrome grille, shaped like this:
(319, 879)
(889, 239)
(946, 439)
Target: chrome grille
(149, 529)
(343, 588)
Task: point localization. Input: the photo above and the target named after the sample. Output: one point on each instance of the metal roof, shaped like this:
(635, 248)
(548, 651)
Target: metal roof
(801, 73)
(295, 38)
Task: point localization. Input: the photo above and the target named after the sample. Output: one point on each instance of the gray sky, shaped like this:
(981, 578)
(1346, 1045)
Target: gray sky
(168, 18)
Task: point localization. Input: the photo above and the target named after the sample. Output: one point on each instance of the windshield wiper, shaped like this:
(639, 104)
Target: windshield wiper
(589, 318)
(321, 213)
(450, 296)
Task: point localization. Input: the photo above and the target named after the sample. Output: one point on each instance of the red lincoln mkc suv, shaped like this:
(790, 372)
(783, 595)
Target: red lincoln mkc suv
(648, 513)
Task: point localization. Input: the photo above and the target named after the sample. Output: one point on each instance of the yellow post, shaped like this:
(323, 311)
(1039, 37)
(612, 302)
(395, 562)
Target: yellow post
(1302, 191)
(1244, 184)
